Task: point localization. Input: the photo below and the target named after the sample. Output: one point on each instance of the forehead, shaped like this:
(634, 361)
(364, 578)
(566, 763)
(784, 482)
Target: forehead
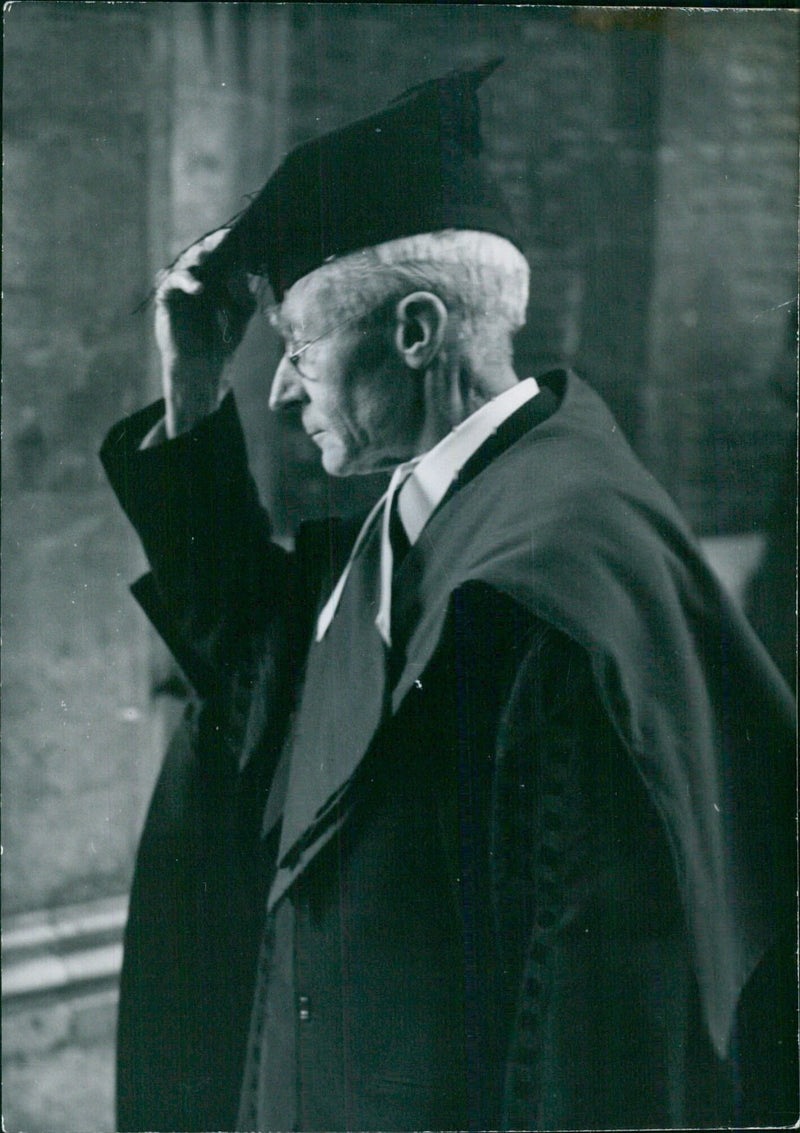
(304, 307)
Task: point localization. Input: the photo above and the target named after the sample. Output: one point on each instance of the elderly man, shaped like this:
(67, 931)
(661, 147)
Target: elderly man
(482, 817)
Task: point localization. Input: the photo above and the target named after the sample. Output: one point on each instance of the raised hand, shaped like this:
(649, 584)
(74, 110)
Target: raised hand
(198, 327)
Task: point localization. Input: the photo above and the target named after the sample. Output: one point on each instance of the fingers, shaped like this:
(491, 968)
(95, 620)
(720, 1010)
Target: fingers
(180, 276)
(176, 280)
(209, 243)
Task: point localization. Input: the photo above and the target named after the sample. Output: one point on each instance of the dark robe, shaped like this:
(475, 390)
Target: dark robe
(612, 799)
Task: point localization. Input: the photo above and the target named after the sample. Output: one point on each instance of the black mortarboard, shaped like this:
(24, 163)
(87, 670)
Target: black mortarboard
(413, 167)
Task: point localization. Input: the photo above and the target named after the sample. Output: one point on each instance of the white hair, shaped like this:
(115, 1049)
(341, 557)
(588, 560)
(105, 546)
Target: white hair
(481, 278)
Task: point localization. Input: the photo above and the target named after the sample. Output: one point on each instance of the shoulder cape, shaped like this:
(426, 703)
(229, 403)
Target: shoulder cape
(568, 523)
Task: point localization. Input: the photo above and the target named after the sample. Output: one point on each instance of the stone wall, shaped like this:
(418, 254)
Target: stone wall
(722, 367)
(79, 741)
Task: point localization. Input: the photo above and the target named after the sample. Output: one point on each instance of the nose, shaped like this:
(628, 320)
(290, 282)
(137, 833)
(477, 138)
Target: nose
(287, 389)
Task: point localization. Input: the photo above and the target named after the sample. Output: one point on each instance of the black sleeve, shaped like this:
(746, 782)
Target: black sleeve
(217, 579)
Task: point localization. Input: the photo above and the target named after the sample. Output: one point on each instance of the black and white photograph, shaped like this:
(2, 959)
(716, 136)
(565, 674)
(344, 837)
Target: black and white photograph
(399, 567)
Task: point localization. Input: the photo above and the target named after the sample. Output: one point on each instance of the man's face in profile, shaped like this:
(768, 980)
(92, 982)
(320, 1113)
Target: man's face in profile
(356, 399)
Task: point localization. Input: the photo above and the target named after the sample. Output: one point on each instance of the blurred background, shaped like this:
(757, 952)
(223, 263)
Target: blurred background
(650, 157)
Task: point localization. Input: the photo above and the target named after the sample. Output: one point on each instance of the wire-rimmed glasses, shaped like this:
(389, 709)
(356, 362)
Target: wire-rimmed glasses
(294, 354)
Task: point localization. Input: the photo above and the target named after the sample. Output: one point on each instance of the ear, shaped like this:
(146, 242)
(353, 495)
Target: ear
(421, 321)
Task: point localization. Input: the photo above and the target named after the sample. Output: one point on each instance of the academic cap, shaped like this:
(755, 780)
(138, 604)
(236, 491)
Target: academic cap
(413, 167)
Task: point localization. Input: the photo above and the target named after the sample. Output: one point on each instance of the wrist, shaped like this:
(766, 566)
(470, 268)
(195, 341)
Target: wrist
(191, 393)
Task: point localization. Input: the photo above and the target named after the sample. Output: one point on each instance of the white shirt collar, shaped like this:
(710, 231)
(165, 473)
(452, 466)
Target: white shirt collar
(422, 484)
(432, 476)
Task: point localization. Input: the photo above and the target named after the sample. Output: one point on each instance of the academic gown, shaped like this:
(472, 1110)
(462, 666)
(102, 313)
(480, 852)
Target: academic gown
(618, 818)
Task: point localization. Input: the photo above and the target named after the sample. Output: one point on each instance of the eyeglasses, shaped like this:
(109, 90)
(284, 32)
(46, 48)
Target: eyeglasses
(292, 356)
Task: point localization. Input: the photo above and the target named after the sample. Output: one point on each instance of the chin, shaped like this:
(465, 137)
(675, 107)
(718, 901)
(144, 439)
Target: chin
(339, 461)
(336, 464)
(341, 467)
